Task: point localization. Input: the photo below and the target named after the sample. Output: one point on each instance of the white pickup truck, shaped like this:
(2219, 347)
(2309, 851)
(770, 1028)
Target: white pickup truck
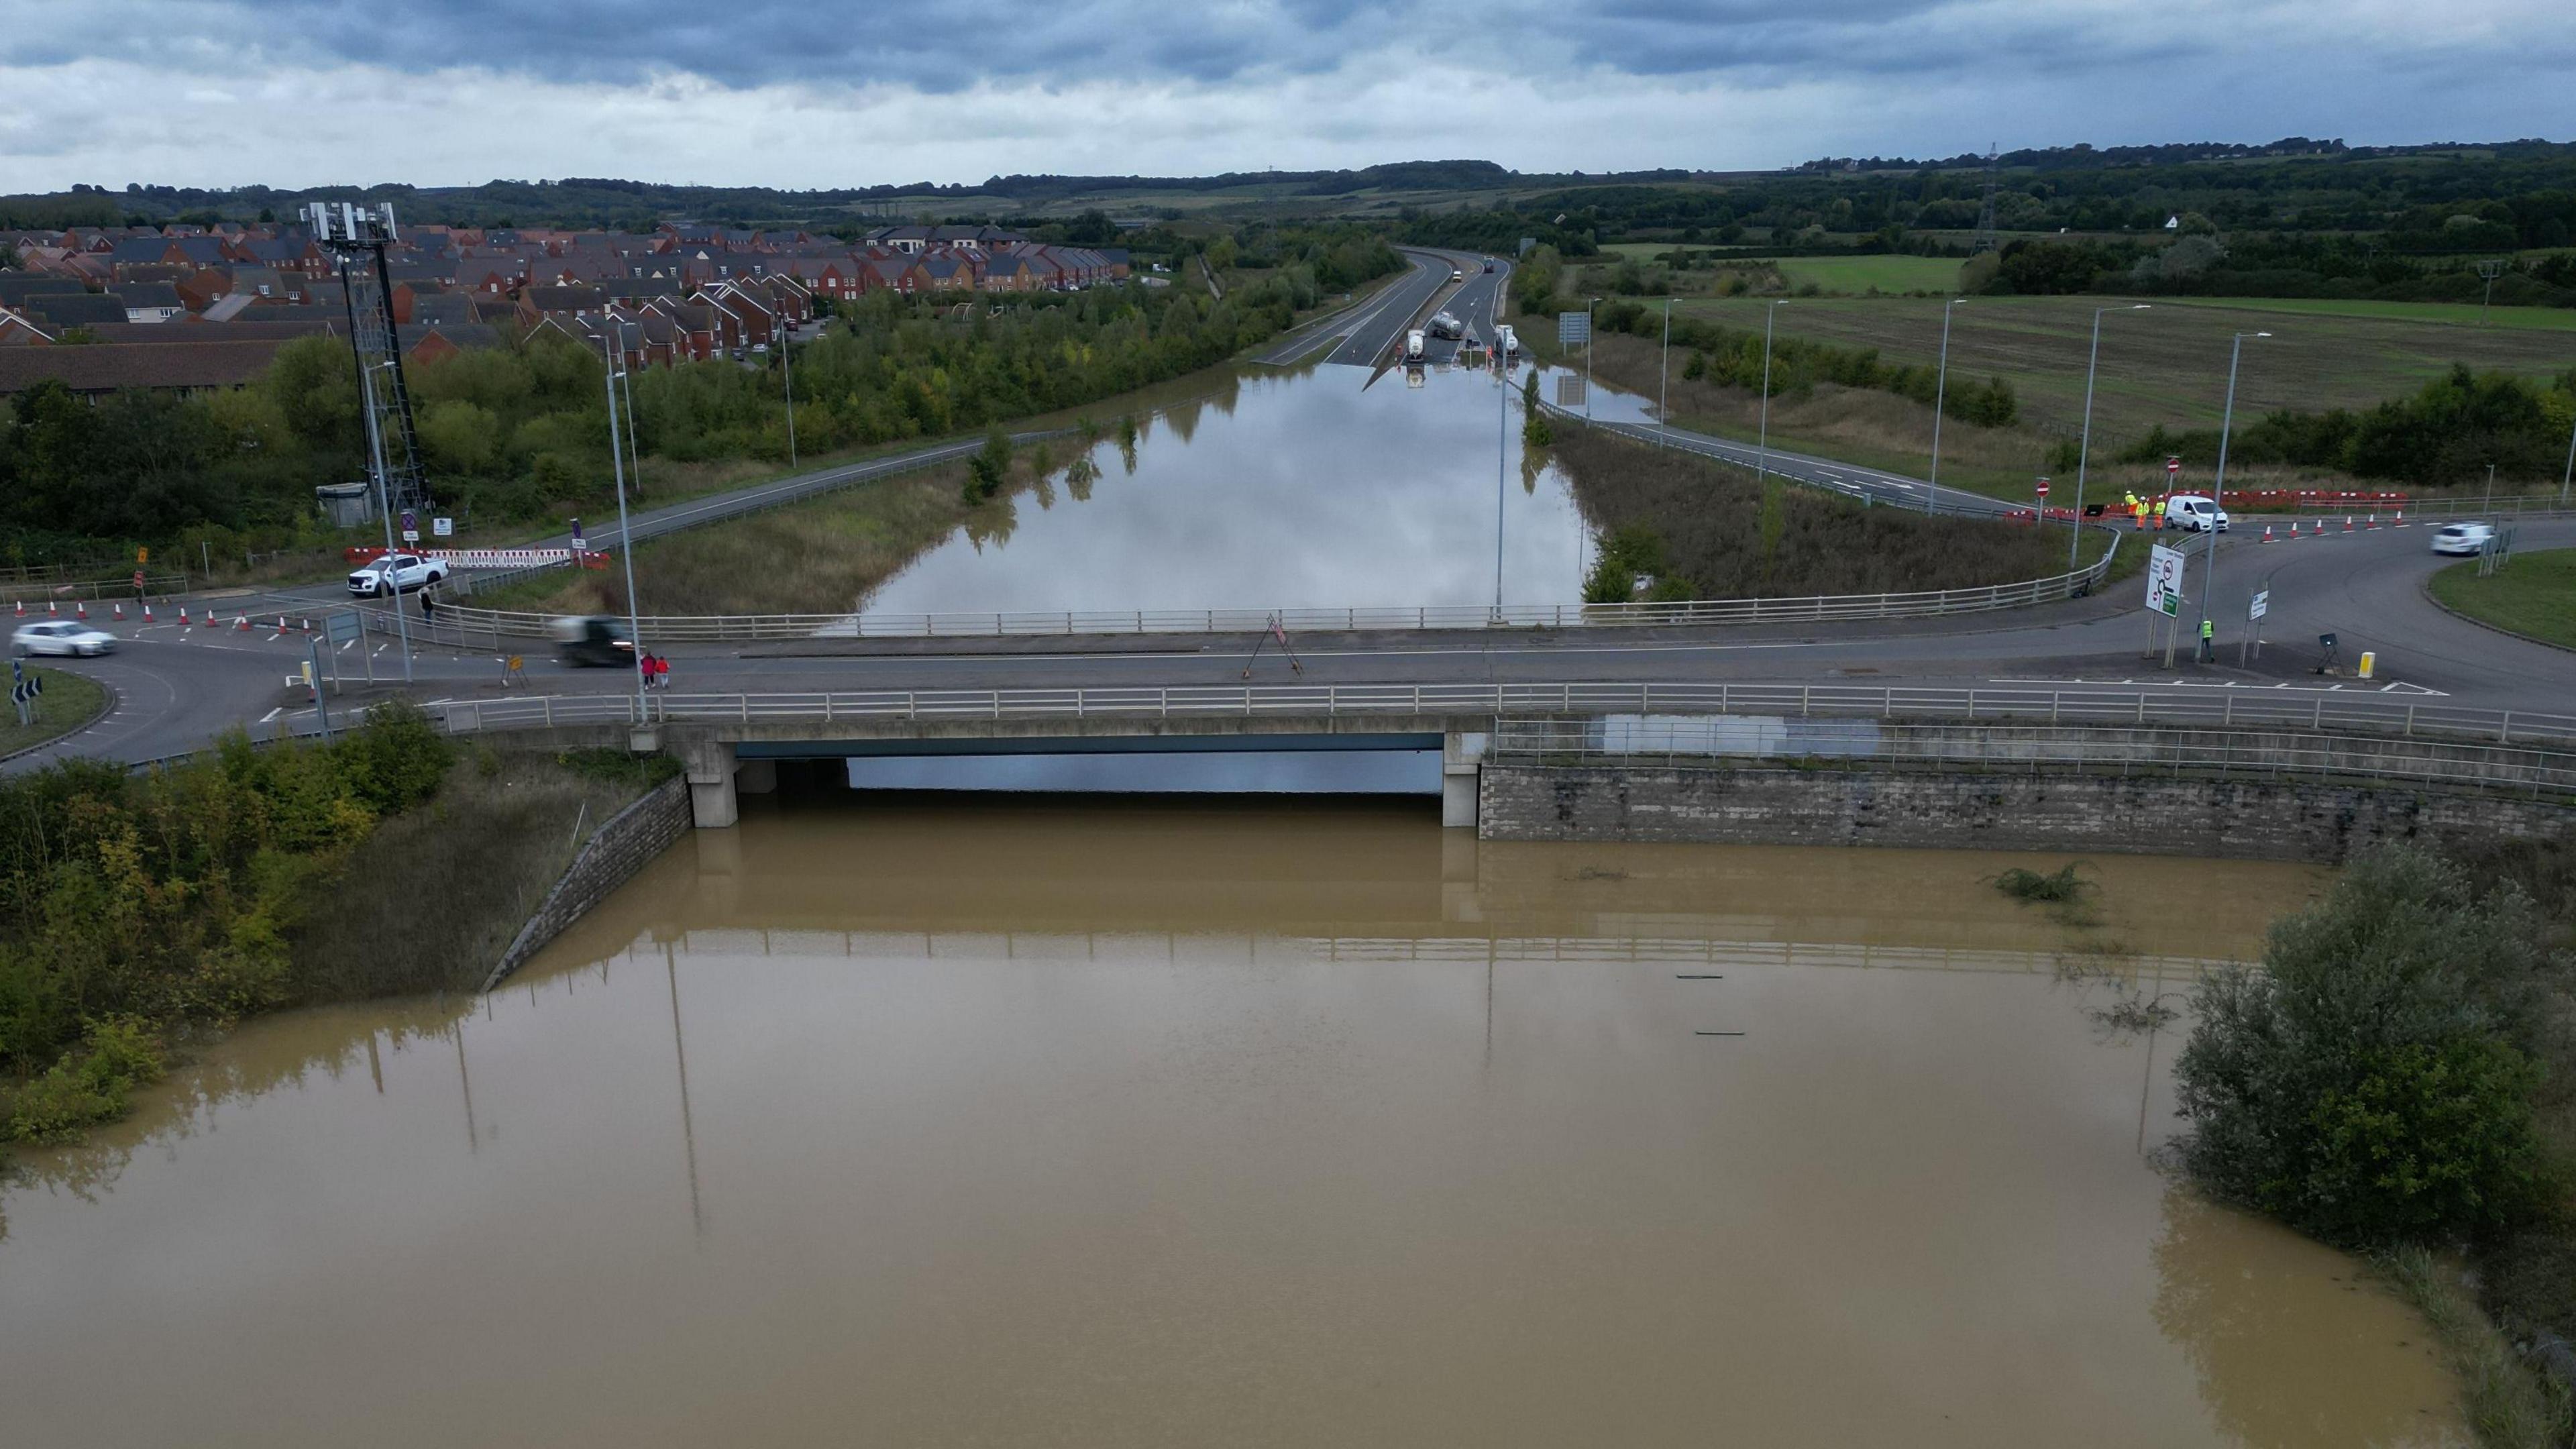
(400, 574)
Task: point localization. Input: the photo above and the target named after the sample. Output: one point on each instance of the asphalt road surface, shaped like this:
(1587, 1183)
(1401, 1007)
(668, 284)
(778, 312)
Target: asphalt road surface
(176, 688)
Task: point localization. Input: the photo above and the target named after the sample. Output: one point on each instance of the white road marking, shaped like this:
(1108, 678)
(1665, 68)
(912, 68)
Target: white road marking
(271, 716)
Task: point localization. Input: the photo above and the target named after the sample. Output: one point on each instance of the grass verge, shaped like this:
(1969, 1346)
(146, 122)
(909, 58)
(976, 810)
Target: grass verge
(1718, 533)
(432, 897)
(2532, 594)
(2508, 1403)
(68, 702)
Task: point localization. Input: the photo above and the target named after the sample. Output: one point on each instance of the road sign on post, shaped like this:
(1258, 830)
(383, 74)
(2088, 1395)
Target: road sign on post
(2173, 470)
(2043, 488)
(1573, 329)
(2254, 612)
(2262, 604)
(442, 528)
(2164, 580)
(410, 526)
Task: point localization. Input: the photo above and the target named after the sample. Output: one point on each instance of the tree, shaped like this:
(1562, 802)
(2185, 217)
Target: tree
(8, 259)
(990, 468)
(2374, 1082)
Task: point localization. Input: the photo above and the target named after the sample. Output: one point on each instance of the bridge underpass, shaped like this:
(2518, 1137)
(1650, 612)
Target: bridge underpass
(1320, 754)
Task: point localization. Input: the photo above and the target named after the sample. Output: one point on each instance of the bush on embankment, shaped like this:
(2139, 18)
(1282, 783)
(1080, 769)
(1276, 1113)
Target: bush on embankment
(136, 910)
(2400, 1074)
(1706, 530)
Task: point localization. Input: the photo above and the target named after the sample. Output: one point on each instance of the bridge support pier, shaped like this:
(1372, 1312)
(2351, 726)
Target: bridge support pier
(713, 804)
(1462, 759)
(755, 777)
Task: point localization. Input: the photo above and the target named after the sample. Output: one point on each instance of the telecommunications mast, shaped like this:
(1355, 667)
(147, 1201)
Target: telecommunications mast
(356, 236)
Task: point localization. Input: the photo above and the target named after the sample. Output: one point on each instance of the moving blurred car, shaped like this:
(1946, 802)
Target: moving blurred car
(2463, 537)
(61, 636)
(594, 641)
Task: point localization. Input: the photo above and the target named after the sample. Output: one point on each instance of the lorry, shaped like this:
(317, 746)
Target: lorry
(1506, 341)
(1413, 345)
(1446, 326)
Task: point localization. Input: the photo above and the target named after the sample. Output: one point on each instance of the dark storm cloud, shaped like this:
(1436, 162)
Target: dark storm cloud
(947, 45)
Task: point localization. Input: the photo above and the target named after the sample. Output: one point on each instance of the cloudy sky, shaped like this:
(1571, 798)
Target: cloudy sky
(301, 92)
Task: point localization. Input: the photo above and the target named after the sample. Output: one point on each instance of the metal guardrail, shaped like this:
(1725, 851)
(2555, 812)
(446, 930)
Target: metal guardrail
(2531, 505)
(2039, 748)
(2316, 711)
(96, 591)
(479, 628)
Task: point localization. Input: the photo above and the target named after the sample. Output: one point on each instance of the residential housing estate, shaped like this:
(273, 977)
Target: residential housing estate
(186, 307)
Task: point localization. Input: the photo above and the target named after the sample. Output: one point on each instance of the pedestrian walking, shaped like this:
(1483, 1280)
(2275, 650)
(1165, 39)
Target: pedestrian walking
(644, 666)
(428, 605)
(661, 672)
(2208, 642)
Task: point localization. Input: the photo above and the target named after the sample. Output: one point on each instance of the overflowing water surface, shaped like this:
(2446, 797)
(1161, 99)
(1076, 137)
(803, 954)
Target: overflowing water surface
(1156, 1123)
(1286, 490)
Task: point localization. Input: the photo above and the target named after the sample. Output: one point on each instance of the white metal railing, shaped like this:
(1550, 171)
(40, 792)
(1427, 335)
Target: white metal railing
(2039, 747)
(481, 628)
(2315, 711)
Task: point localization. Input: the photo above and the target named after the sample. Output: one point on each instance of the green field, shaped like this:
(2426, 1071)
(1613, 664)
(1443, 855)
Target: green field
(2169, 364)
(2448, 314)
(1852, 276)
(2533, 594)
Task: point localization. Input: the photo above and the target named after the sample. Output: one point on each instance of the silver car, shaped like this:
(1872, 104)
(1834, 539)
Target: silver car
(61, 636)
(2469, 538)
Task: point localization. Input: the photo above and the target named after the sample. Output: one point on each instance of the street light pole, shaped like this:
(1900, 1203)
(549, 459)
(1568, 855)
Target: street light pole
(2218, 490)
(392, 577)
(787, 369)
(1588, 304)
(2084, 449)
(1502, 434)
(1663, 375)
(2570, 475)
(625, 539)
(1762, 454)
(1940, 399)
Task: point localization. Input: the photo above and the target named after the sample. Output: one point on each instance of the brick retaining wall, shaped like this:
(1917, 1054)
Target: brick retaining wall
(2150, 815)
(630, 840)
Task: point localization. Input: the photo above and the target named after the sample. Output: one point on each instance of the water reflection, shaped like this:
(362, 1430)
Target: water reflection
(1158, 1122)
(1293, 491)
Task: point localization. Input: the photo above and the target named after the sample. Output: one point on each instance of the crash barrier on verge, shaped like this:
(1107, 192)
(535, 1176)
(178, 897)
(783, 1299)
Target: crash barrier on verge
(467, 627)
(2311, 710)
(488, 558)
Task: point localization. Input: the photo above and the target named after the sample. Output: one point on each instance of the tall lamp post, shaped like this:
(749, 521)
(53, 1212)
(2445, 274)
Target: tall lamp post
(2084, 449)
(1502, 445)
(787, 370)
(1588, 304)
(1762, 447)
(1940, 399)
(1663, 375)
(2569, 476)
(625, 539)
(2218, 490)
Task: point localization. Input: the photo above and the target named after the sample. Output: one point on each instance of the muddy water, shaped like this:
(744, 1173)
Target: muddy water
(1295, 490)
(1228, 1124)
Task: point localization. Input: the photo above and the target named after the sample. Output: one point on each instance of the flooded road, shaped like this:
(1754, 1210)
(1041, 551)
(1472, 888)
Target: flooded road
(1155, 1123)
(1291, 490)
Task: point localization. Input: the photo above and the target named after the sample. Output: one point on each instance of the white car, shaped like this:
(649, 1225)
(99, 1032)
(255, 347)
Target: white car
(1456, 275)
(2463, 537)
(61, 636)
(2194, 513)
(401, 574)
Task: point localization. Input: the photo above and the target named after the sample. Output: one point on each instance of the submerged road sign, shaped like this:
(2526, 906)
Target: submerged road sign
(1573, 328)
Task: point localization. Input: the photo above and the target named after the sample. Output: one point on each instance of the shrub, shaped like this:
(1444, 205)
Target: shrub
(2373, 1083)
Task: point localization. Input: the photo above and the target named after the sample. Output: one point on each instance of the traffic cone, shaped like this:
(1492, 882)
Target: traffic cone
(22, 608)
(52, 610)
(147, 613)
(2401, 519)
(183, 616)
(120, 612)
(241, 622)
(80, 609)
(2369, 522)
(281, 623)
(2347, 523)
(2267, 533)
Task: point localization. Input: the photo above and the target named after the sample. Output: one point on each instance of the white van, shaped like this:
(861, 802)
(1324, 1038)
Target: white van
(2194, 513)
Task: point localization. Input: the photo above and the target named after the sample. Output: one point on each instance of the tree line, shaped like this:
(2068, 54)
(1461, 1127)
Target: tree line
(2447, 433)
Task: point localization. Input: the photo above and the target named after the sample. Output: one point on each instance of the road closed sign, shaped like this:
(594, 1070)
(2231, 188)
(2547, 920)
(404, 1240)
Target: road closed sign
(2164, 580)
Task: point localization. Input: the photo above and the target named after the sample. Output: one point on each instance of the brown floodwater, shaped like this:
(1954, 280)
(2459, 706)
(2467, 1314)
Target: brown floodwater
(1115, 1123)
